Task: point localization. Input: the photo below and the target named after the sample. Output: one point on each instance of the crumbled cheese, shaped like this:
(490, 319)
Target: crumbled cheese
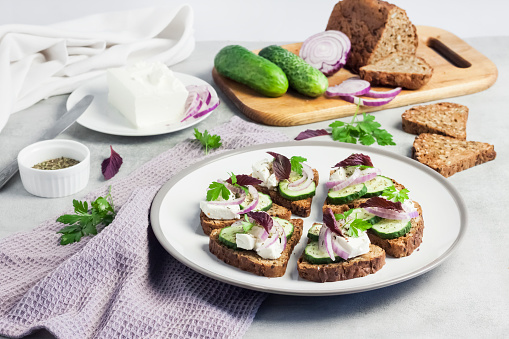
(353, 246)
(147, 93)
(251, 241)
(263, 170)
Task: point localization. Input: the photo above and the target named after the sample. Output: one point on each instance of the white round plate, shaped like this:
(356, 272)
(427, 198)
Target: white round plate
(100, 116)
(176, 224)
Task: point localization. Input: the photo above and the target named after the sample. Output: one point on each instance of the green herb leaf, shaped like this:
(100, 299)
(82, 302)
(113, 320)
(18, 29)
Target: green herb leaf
(246, 224)
(394, 195)
(296, 162)
(217, 189)
(356, 226)
(207, 140)
(85, 222)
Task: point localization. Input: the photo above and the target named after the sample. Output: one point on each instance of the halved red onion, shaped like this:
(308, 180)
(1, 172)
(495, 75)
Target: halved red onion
(326, 51)
(391, 214)
(339, 185)
(366, 102)
(349, 87)
(386, 94)
(199, 101)
(338, 250)
(309, 175)
(255, 196)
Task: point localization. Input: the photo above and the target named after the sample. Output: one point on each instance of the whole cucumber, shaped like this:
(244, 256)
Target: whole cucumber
(302, 77)
(240, 64)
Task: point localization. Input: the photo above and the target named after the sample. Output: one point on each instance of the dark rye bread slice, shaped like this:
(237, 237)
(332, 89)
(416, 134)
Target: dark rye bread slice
(250, 261)
(209, 224)
(302, 208)
(375, 28)
(357, 267)
(448, 155)
(405, 245)
(398, 70)
(445, 118)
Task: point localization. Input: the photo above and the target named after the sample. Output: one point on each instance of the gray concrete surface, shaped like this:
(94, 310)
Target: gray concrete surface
(466, 296)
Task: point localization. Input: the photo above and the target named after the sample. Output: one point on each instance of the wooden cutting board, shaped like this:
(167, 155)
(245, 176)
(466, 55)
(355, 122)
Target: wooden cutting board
(465, 71)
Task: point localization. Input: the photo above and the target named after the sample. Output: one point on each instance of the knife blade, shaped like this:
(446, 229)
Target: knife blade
(61, 125)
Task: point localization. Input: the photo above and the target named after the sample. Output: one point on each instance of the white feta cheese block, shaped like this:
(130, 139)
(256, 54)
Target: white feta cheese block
(222, 212)
(147, 94)
(245, 240)
(271, 252)
(353, 246)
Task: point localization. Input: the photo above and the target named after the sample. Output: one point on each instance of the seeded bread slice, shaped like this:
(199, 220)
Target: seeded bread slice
(398, 70)
(250, 261)
(405, 245)
(357, 267)
(375, 28)
(209, 224)
(443, 118)
(448, 155)
(302, 208)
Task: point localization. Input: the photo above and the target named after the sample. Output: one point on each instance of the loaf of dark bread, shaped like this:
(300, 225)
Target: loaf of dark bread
(375, 28)
(250, 261)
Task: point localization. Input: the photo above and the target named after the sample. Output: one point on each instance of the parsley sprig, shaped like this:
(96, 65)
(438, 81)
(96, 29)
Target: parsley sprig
(207, 140)
(84, 222)
(353, 225)
(247, 225)
(217, 189)
(366, 131)
(393, 194)
(296, 162)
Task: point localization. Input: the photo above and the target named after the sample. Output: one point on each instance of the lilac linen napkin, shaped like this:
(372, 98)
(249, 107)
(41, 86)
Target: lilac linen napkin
(122, 283)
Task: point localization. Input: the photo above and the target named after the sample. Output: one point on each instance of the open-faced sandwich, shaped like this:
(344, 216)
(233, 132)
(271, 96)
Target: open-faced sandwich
(290, 183)
(340, 249)
(228, 200)
(257, 243)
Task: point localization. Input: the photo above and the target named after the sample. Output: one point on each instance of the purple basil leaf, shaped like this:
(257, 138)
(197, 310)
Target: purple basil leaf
(354, 160)
(330, 221)
(281, 166)
(311, 133)
(244, 180)
(262, 218)
(382, 203)
(111, 165)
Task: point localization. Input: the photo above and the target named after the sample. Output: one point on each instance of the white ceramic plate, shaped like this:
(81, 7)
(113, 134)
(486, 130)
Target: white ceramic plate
(176, 224)
(100, 116)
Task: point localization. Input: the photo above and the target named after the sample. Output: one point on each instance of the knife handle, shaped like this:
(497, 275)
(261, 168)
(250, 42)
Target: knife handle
(8, 172)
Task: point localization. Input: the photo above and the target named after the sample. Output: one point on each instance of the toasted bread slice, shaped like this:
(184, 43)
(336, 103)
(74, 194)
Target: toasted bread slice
(443, 118)
(302, 208)
(448, 155)
(209, 224)
(405, 245)
(357, 267)
(250, 261)
(398, 70)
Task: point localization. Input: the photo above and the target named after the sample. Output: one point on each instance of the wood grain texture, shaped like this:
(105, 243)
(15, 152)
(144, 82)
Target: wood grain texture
(294, 109)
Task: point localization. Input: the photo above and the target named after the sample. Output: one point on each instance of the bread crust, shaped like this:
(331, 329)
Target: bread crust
(375, 28)
(405, 245)
(445, 118)
(250, 261)
(357, 267)
(449, 156)
(209, 224)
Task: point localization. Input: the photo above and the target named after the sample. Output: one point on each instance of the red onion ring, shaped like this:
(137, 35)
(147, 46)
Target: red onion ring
(254, 194)
(309, 174)
(326, 51)
(338, 250)
(325, 241)
(366, 102)
(391, 214)
(349, 87)
(386, 94)
(366, 175)
(338, 185)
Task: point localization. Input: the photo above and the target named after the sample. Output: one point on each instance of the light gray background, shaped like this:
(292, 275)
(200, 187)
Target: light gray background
(466, 296)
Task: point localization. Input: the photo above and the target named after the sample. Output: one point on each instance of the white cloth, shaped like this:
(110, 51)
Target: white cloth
(37, 62)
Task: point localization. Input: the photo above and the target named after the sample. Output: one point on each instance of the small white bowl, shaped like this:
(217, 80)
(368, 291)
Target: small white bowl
(54, 183)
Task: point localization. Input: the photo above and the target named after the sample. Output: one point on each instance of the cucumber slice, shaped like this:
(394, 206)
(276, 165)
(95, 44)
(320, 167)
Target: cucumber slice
(314, 232)
(264, 202)
(391, 229)
(314, 255)
(228, 235)
(347, 194)
(296, 195)
(287, 226)
(377, 186)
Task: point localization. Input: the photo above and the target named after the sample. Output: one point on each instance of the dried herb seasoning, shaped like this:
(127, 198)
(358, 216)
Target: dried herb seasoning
(56, 164)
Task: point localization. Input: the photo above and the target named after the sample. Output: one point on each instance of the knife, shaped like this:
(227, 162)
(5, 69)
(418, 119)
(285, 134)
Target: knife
(61, 125)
